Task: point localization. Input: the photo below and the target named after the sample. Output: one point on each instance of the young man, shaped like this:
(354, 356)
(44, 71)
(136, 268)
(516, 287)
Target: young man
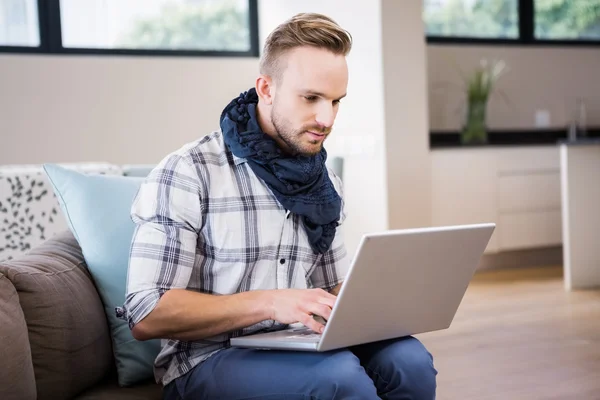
(240, 232)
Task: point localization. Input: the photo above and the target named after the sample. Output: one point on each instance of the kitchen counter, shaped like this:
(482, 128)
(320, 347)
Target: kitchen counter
(511, 138)
(581, 142)
(580, 195)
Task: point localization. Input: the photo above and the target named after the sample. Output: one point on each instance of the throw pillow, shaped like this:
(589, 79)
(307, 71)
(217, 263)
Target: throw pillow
(97, 210)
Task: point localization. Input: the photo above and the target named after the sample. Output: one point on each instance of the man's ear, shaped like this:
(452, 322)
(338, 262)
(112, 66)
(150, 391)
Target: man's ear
(265, 89)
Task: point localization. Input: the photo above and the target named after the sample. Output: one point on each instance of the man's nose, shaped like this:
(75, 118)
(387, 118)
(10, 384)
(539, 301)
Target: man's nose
(325, 116)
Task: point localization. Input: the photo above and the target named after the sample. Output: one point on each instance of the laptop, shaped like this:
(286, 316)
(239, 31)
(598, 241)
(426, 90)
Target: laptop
(400, 283)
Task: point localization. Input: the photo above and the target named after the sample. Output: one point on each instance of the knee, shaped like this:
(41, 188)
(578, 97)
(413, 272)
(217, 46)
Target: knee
(410, 354)
(342, 377)
(408, 364)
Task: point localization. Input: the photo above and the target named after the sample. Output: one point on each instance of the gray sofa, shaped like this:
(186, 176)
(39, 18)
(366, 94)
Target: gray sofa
(54, 337)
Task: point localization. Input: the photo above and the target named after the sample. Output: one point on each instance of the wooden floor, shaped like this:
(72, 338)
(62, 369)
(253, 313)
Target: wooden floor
(519, 335)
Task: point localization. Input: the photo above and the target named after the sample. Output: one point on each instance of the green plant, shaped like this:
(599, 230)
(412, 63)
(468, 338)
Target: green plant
(480, 85)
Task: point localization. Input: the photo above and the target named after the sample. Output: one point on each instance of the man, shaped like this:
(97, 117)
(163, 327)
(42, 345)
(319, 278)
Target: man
(240, 231)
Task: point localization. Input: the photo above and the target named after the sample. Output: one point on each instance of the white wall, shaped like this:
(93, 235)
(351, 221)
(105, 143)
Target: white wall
(358, 133)
(406, 115)
(114, 109)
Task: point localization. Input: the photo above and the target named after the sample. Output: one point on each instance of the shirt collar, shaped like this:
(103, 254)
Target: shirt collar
(238, 160)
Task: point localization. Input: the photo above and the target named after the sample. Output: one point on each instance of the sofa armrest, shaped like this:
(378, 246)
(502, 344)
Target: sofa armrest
(17, 381)
(68, 332)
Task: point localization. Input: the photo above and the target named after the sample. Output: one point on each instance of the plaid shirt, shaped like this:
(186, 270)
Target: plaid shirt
(205, 222)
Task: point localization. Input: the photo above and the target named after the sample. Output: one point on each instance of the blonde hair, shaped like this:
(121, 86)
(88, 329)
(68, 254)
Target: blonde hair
(305, 29)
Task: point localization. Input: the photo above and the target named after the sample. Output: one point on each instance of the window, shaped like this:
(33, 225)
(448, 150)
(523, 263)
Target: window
(470, 18)
(567, 19)
(513, 21)
(146, 27)
(19, 23)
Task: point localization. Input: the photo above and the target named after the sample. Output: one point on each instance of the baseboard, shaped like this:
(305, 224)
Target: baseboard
(536, 257)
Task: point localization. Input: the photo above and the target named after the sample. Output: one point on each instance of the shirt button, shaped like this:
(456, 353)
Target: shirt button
(282, 261)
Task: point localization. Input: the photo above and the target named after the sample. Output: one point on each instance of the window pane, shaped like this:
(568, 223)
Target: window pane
(567, 19)
(19, 24)
(156, 24)
(497, 19)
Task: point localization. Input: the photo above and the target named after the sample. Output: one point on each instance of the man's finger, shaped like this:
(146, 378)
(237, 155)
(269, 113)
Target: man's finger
(320, 309)
(330, 302)
(327, 294)
(310, 323)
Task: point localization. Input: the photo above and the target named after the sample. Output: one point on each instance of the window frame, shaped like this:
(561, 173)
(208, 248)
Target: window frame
(51, 39)
(526, 10)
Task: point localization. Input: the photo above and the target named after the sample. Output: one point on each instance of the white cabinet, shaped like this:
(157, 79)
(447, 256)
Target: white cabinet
(463, 189)
(580, 185)
(517, 188)
(528, 192)
(527, 159)
(532, 229)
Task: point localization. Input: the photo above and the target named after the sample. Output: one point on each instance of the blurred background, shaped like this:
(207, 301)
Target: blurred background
(458, 111)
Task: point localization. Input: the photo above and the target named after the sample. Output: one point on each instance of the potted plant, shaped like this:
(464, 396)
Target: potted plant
(479, 87)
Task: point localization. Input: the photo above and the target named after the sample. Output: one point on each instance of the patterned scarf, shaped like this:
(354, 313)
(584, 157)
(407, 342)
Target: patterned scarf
(300, 183)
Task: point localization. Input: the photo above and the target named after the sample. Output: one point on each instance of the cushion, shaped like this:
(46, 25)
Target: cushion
(29, 211)
(17, 381)
(139, 170)
(68, 333)
(97, 210)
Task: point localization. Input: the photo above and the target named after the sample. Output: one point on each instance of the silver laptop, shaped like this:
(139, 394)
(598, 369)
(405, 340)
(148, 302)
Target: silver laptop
(400, 283)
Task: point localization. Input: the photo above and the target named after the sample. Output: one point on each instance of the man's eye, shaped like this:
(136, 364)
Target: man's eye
(310, 98)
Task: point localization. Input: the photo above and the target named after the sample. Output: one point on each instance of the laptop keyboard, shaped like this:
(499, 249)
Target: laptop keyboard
(305, 336)
(304, 333)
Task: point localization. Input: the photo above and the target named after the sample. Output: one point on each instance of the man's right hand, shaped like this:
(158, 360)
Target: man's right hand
(289, 306)
(188, 315)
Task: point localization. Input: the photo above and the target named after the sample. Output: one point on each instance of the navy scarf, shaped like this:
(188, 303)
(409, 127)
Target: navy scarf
(300, 183)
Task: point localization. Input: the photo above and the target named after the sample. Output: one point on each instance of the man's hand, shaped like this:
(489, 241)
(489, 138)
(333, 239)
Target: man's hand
(289, 306)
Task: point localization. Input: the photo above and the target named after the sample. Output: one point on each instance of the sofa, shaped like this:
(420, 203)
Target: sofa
(56, 337)
(55, 340)
(61, 286)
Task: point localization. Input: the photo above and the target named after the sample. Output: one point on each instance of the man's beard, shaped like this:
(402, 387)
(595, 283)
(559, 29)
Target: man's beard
(293, 138)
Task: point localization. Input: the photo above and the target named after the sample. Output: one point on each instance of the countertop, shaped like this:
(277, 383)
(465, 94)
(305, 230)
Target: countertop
(581, 142)
(511, 138)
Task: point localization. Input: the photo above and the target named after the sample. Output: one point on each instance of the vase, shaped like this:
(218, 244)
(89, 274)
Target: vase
(474, 129)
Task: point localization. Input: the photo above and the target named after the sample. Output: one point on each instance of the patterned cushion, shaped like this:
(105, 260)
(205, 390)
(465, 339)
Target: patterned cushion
(29, 210)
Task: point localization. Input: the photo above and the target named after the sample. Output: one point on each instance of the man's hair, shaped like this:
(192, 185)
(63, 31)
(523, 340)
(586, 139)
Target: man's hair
(305, 29)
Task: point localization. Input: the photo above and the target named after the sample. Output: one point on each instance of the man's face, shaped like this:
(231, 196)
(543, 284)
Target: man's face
(307, 97)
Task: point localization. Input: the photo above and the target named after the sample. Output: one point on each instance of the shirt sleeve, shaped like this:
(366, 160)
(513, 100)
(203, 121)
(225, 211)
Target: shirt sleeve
(333, 265)
(168, 217)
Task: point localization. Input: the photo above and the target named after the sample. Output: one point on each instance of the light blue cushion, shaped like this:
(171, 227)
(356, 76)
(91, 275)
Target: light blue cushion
(141, 170)
(97, 209)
